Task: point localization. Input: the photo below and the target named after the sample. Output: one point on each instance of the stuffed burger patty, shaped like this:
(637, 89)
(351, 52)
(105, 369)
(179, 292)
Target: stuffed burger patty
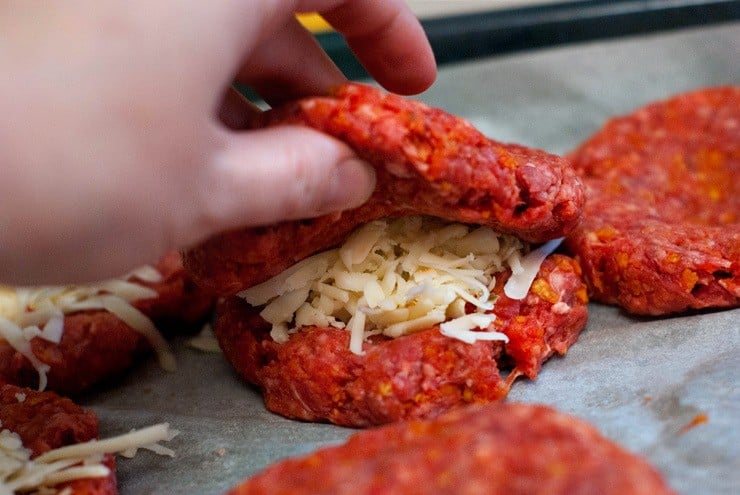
(408, 305)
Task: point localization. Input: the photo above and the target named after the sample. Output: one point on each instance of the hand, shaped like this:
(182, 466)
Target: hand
(119, 131)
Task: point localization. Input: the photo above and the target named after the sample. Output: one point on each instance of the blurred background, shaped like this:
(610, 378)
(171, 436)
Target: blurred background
(464, 29)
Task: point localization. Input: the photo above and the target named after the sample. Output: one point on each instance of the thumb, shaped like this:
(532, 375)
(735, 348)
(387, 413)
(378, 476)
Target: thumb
(282, 173)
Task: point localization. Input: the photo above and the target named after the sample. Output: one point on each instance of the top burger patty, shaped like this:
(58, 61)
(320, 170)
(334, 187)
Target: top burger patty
(428, 162)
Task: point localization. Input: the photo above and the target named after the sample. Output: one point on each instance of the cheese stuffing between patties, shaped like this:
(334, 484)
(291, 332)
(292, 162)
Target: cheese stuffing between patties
(398, 276)
(30, 312)
(21, 474)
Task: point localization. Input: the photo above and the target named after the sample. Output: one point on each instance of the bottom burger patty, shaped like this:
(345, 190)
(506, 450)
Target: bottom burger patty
(493, 449)
(315, 377)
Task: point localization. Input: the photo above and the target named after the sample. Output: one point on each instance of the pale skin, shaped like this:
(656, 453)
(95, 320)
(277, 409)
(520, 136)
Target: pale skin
(120, 136)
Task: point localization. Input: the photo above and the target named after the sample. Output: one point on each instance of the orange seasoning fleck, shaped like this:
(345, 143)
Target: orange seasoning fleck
(507, 160)
(605, 233)
(313, 460)
(545, 291)
(622, 259)
(468, 394)
(710, 159)
(689, 279)
(614, 187)
(385, 389)
(582, 295)
(698, 419)
(727, 217)
(673, 258)
(679, 164)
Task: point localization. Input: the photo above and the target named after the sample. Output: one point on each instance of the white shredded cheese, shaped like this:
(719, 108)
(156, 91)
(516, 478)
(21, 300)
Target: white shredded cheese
(21, 474)
(205, 341)
(397, 277)
(145, 273)
(462, 328)
(522, 277)
(30, 312)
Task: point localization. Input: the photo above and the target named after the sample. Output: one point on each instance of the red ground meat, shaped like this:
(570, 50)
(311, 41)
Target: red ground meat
(96, 346)
(660, 231)
(427, 162)
(314, 376)
(496, 449)
(46, 421)
(180, 305)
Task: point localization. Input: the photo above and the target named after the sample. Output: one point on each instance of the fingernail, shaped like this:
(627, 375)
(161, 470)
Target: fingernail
(352, 184)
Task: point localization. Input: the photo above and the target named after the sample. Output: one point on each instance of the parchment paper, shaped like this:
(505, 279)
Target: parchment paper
(640, 381)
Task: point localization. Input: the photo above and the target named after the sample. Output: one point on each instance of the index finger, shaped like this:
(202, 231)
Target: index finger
(386, 37)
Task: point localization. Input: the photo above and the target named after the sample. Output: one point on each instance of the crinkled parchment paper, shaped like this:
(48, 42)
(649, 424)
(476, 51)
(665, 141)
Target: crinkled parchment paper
(640, 381)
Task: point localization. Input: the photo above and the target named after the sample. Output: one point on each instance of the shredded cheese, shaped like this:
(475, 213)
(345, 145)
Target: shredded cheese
(21, 474)
(205, 341)
(524, 273)
(396, 277)
(38, 312)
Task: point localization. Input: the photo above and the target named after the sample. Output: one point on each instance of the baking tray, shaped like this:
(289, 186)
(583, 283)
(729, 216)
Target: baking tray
(641, 381)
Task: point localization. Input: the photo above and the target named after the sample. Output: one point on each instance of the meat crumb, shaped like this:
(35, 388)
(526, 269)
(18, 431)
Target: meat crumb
(698, 419)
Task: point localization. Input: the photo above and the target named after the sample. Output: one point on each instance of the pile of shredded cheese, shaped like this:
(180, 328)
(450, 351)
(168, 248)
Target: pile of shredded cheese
(30, 312)
(396, 277)
(21, 474)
